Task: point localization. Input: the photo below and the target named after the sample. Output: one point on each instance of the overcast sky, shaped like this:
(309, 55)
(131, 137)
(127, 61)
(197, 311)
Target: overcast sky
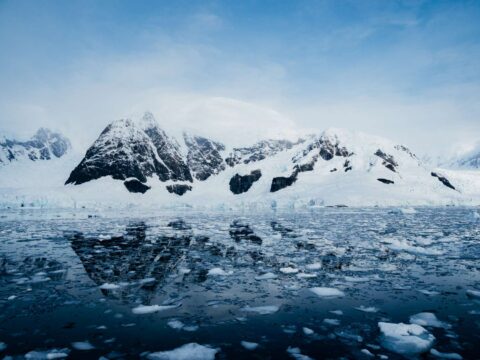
(407, 70)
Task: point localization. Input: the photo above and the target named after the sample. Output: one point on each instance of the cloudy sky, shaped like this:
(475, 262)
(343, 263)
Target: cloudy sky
(407, 70)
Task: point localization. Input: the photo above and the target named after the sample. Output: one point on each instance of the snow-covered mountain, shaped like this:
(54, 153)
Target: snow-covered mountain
(44, 145)
(137, 162)
(468, 160)
(334, 167)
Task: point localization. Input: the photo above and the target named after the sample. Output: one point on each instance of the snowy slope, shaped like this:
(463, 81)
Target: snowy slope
(334, 167)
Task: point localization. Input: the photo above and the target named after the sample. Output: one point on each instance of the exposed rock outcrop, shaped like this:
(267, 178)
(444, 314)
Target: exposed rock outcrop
(240, 184)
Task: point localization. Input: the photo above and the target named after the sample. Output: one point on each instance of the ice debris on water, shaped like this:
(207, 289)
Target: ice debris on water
(262, 310)
(109, 286)
(288, 270)
(47, 354)
(308, 331)
(82, 345)
(333, 322)
(249, 345)
(191, 351)
(148, 309)
(367, 309)
(405, 339)
(428, 319)
(266, 276)
(473, 293)
(296, 353)
(443, 355)
(219, 272)
(327, 292)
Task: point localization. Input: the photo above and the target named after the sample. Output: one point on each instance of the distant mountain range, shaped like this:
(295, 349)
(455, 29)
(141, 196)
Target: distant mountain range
(138, 162)
(140, 152)
(44, 145)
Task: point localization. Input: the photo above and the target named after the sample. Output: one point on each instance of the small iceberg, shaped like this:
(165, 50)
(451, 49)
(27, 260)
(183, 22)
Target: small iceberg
(327, 292)
(428, 319)
(405, 339)
(262, 310)
(191, 351)
(249, 345)
(148, 309)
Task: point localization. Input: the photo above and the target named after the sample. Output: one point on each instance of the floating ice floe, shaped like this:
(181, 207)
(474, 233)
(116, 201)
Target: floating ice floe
(428, 319)
(429, 292)
(191, 351)
(297, 354)
(408, 211)
(405, 339)
(47, 354)
(178, 325)
(367, 352)
(473, 293)
(357, 279)
(11, 297)
(476, 215)
(266, 276)
(367, 309)
(334, 322)
(219, 272)
(337, 312)
(82, 345)
(306, 275)
(314, 266)
(148, 309)
(327, 292)
(443, 355)
(288, 270)
(262, 310)
(249, 345)
(308, 331)
(109, 286)
(404, 245)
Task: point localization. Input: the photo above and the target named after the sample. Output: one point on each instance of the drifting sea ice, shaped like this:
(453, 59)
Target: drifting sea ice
(443, 355)
(297, 354)
(48, 354)
(288, 270)
(367, 309)
(327, 292)
(266, 276)
(82, 345)
(109, 286)
(249, 345)
(219, 272)
(148, 309)
(428, 319)
(191, 351)
(405, 339)
(262, 310)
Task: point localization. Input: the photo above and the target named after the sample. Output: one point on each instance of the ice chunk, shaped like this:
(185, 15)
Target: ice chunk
(219, 272)
(327, 292)
(191, 351)
(405, 339)
(337, 312)
(442, 355)
(427, 319)
(266, 276)
(473, 293)
(314, 266)
(308, 331)
(48, 354)
(109, 286)
(367, 309)
(176, 324)
(306, 275)
(262, 310)
(288, 270)
(367, 352)
(297, 354)
(429, 292)
(334, 322)
(148, 309)
(249, 345)
(408, 211)
(82, 345)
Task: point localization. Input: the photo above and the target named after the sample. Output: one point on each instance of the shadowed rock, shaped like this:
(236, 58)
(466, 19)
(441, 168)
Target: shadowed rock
(386, 181)
(240, 184)
(443, 180)
(135, 186)
(178, 189)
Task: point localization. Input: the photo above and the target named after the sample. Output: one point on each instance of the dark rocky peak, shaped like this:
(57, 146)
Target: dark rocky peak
(204, 156)
(44, 145)
(259, 151)
(122, 151)
(443, 180)
(406, 150)
(167, 148)
(326, 146)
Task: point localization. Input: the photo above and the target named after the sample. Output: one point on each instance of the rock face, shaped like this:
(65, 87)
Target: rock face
(44, 145)
(443, 180)
(204, 156)
(178, 189)
(259, 151)
(135, 186)
(125, 149)
(240, 184)
(388, 160)
(280, 182)
(386, 181)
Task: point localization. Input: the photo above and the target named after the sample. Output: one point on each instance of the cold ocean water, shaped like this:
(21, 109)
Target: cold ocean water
(324, 284)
